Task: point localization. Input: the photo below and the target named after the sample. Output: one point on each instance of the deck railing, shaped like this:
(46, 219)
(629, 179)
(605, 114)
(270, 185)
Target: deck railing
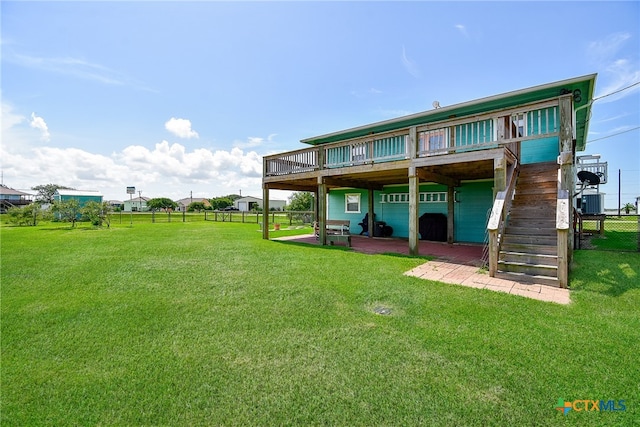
(447, 137)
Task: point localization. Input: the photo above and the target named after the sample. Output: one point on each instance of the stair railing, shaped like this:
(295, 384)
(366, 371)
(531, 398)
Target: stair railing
(498, 218)
(562, 228)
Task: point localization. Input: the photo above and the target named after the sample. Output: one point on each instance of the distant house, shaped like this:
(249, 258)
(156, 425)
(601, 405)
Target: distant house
(116, 204)
(137, 204)
(10, 198)
(82, 196)
(248, 203)
(183, 204)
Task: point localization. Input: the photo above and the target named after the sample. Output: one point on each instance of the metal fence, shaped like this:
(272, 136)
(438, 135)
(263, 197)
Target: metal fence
(609, 232)
(275, 217)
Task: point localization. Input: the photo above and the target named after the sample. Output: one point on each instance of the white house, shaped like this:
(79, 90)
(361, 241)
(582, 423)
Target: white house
(137, 204)
(248, 203)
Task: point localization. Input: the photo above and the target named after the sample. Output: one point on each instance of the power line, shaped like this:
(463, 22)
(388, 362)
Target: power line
(619, 90)
(615, 134)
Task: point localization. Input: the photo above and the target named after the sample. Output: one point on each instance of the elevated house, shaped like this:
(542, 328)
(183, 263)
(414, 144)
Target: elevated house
(10, 197)
(499, 170)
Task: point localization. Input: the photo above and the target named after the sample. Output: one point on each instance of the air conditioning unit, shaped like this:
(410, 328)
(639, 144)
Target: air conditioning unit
(592, 204)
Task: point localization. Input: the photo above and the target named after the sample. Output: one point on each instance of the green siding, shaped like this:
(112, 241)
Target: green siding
(539, 150)
(475, 199)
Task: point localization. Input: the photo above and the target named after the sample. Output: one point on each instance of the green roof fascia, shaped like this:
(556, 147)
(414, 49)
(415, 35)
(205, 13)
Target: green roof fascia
(582, 107)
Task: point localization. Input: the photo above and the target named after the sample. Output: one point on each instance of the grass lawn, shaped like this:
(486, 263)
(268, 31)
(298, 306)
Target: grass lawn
(205, 323)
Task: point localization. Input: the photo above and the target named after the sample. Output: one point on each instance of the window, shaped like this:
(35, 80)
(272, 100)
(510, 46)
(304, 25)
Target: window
(424, 197)
(434, 141)
(352, 203)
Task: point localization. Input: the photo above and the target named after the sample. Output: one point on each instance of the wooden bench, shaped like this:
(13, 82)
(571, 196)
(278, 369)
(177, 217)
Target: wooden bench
(337, 231)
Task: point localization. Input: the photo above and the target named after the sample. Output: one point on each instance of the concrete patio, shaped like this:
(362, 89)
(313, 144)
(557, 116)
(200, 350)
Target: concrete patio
(457, 264)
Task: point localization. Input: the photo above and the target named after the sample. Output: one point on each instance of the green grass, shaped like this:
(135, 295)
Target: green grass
(620, 234)
(205, 323)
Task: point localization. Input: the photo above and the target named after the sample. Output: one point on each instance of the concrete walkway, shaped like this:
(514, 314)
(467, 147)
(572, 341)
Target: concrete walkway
(471, 276)
(457, 264)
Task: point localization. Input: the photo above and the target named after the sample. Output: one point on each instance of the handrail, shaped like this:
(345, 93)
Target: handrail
(497, 219)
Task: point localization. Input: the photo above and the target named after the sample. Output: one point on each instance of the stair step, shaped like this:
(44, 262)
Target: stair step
(525, 239)
(527, 278)
(531, 222)
(531, 269)
(528, 258)
(528, 231)
(537, 249)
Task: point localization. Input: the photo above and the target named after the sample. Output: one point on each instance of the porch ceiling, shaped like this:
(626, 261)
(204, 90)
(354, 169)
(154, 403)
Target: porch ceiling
(364, 177)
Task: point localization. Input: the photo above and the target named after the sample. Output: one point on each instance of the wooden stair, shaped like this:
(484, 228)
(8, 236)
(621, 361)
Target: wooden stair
(529, 246)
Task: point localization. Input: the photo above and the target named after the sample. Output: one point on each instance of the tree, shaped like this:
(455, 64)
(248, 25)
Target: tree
(629, 207)
(25, 215)
(67, 211)
(219, 203)
(301, 201)
(196, 206)
(47, 191)
(160, 203)
(97, 213)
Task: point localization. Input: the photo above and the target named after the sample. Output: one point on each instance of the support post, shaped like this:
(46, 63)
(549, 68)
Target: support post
(370, 219)
(566, 161)
(265, 212)
(499, 175)
(322, 211)
(414, 185)
(450, 212)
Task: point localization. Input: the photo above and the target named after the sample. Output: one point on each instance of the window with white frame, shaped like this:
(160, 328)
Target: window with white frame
(423, 197)
(352, 203)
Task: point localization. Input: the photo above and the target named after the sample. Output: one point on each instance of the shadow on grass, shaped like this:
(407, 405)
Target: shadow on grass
(616, 241)
(351, 249)
(604, 272)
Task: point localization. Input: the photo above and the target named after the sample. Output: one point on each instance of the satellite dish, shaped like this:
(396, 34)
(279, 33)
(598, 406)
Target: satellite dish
(588, 178)
(436, 104)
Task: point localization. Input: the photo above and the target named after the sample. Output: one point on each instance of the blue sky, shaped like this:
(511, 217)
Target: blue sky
(180, 97)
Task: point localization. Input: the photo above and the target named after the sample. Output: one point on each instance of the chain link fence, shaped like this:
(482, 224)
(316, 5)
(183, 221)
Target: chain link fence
(609, 232)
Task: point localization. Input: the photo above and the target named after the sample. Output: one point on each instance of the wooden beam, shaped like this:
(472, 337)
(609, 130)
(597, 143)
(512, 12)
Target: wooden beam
(437, 178)
(265, 212)
(322, 211)
(450, 214)
(290, 187)
(353, 183)
(414, 193)
(370, 218)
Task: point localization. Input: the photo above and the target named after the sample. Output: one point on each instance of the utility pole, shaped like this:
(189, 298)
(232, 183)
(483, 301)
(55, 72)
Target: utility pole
(619, 190)
(140, 199)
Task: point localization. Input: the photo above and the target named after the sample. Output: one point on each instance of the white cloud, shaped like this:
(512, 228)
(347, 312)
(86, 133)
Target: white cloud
(409, 65)
(607, 47)
(162, 170)
(41, 125)
(619, 72)
(181, 128)
(462, 29)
